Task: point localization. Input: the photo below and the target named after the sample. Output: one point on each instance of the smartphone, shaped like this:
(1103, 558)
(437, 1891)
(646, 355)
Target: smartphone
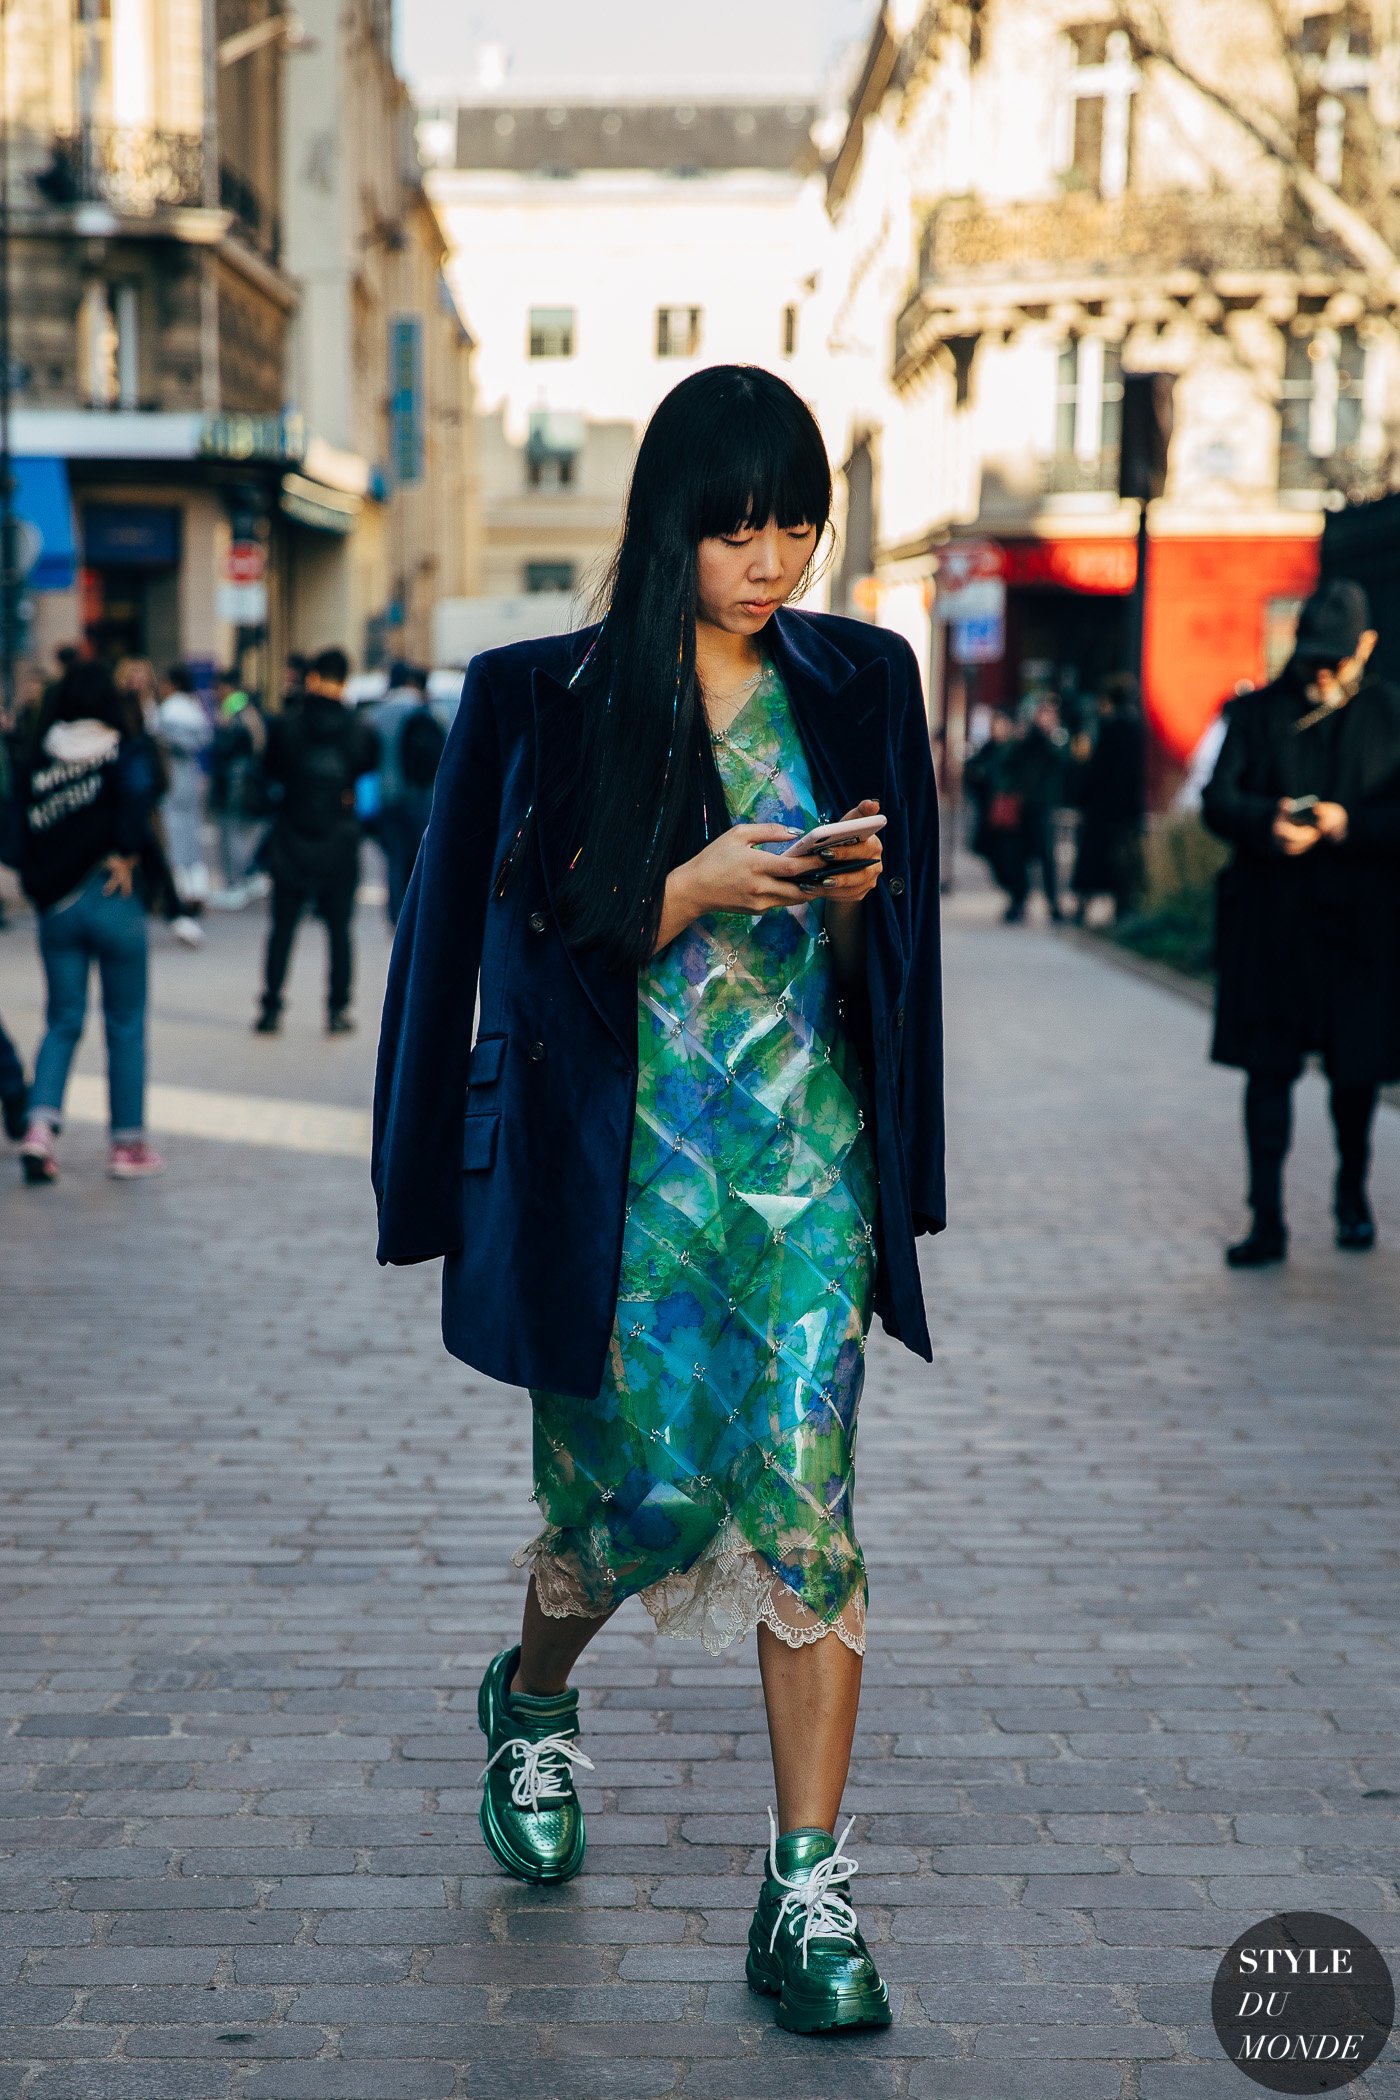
(848, 832)
(1301, 810)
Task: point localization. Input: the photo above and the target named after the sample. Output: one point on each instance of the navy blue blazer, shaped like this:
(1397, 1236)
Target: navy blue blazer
(508, 1153)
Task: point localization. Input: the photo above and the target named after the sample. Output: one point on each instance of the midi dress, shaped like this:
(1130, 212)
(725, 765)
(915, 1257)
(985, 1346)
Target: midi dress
(713, 1474)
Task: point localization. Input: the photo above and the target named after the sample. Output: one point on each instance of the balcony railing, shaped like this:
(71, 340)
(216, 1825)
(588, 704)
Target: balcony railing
(134, 170)
(1155, 233)
(1066, 474)
(139, 173)
(257, 223)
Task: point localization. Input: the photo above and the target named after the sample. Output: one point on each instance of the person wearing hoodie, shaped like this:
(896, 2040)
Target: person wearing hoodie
(184, 732)
(87, 777)
(316, 752)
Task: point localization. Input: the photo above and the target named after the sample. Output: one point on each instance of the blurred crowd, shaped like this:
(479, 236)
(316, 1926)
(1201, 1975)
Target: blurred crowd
(126, 796)
(1028, 770)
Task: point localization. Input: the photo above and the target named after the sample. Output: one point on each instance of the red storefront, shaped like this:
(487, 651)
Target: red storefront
(1218, 612)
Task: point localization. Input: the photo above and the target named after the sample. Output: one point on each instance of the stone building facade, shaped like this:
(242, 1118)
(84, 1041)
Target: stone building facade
(1032, 198)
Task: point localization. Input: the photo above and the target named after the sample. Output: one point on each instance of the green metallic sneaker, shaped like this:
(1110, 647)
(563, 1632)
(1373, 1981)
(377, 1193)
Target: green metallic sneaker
(805, 1947)
(530, 1815)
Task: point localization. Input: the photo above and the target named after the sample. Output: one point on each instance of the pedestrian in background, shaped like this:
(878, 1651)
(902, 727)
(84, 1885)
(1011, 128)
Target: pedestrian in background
(14, 1093)
(184, 733)
(1307, 792)
(661, 1210)
(315, 755)
(1035, 772)
(237, 791)
(411, 744)
(140, 688)
(87, 779)
(1111, 790)
(996, 807)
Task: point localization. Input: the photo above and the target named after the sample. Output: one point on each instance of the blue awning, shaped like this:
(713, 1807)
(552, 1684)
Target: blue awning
(43, 501)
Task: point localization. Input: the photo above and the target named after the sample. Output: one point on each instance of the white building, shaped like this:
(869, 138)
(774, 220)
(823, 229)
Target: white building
(600, 252)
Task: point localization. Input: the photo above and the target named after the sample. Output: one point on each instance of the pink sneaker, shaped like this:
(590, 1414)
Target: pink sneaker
(133, 1160)
(36, 1155)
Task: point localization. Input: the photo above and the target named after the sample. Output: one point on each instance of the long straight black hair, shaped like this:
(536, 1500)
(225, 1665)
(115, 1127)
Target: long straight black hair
(730, 447)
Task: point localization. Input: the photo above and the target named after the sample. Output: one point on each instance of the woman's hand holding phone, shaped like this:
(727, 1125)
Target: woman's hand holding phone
(843, 883)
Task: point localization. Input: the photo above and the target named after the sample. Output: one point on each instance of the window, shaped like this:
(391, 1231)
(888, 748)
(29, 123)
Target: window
(677, 331)
(1096, 116)
(1088, 415)
(789, 331)
(552, 448)
(1338, 70)
(549, 576)
(551, 331)
(1322, 405)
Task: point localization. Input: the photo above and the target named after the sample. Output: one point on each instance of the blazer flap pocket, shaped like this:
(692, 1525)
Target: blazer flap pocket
(479, 1142)
(486, 1058)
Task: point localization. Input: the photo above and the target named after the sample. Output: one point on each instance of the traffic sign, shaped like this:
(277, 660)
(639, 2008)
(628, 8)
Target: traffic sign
(979, 641)
(969, 561)
(982, 599)
(246, 562)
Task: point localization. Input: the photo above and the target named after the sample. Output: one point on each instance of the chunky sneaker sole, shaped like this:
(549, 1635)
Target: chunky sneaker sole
(820, 2010)
(506, 1828)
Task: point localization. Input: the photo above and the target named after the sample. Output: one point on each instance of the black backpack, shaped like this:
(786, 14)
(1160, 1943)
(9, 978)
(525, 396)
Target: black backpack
(321, 793)
(421, 744)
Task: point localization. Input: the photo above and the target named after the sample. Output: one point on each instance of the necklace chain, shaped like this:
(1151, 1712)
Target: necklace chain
(741, 693)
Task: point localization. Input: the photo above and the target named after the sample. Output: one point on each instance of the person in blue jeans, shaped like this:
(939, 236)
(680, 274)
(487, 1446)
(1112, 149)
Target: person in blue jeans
(88, 777)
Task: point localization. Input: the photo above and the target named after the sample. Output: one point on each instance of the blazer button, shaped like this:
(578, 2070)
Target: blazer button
(537, 922)
(898, 1020)
(896, 885)
(535, 1053)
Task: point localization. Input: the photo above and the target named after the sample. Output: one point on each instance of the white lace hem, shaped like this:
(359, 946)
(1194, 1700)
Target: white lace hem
(724, 1595)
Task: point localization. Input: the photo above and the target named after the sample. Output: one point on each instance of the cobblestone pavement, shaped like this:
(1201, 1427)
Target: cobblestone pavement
(1132, 1677)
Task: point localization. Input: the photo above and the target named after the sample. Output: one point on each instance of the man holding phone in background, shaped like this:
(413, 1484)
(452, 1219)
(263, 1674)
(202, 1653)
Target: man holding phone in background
(1307, 791)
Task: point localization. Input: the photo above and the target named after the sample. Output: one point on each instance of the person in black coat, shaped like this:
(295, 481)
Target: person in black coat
(1307, 791)
(1113, 801)
(316, 752)
(1035, 771)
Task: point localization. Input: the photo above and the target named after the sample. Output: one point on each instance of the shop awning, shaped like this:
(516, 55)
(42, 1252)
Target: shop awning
(323, 509)
(42, 500)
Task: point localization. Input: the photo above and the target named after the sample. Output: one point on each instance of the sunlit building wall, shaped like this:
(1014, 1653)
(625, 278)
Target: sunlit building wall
(599, 253)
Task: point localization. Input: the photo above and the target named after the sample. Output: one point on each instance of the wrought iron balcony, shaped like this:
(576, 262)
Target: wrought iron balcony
(256, 221)
(1154, 233)
(1066, 474)
(134, 170)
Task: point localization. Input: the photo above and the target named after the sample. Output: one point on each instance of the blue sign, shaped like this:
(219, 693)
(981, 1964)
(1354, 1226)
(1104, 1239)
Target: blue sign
(406, 398)
(131, 535)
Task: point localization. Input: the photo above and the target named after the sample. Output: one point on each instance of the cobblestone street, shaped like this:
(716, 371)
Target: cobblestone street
(1133, 1658)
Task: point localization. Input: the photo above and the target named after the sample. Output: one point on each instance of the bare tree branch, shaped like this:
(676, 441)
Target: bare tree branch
(1361, 239)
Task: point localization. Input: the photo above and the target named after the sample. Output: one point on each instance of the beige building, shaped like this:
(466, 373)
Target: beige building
(379, 361)
(150, 310)
(1035, 198)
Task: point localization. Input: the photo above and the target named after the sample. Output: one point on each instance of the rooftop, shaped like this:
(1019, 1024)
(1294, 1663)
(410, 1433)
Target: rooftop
(556, 138)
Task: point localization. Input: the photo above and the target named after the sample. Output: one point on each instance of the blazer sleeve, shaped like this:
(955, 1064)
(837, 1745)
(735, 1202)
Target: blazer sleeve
(1229, 809)
(430, 1003)
(921, 1079)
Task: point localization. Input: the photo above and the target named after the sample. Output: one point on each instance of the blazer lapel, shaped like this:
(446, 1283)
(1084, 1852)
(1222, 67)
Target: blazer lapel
(612, 992)
(841, 709)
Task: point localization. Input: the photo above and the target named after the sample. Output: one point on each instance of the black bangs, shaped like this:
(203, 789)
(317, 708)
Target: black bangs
(731, 446)
(761, 457)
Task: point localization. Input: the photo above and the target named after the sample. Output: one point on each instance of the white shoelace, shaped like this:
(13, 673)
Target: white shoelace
(542, 1770)
(827, 1916)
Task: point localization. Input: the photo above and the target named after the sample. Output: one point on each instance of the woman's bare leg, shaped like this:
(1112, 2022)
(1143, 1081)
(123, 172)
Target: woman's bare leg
(549, 1648)
(812, 1695)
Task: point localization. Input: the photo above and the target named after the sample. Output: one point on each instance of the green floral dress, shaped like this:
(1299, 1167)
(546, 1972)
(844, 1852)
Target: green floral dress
(713, 1473)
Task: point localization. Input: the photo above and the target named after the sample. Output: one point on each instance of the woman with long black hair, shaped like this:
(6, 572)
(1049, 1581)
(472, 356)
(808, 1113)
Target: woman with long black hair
(689, 1146)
